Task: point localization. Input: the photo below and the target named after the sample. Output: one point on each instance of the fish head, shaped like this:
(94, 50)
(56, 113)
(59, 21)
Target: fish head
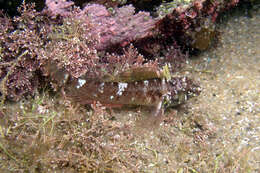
(180, 89)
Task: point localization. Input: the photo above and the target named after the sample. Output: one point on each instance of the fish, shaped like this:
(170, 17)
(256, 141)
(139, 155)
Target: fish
(157, 93)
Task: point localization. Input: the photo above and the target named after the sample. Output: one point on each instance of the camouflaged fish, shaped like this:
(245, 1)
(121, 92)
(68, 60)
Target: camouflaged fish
(158, 93)
(140, 86)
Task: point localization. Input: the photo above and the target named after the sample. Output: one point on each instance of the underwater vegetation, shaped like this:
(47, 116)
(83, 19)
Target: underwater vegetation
(63, 42)
(51, 65)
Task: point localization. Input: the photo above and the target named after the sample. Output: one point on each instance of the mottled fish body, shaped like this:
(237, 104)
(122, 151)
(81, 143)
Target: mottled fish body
(153, 92)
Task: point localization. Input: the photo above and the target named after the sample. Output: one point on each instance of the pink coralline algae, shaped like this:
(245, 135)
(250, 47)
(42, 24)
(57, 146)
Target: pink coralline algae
(59, 7)
(73, 46)
(119, 26)
(115, 26)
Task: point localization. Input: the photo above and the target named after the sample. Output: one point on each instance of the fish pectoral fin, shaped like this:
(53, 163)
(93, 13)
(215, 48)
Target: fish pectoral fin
(155, 120)
(158, 109)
